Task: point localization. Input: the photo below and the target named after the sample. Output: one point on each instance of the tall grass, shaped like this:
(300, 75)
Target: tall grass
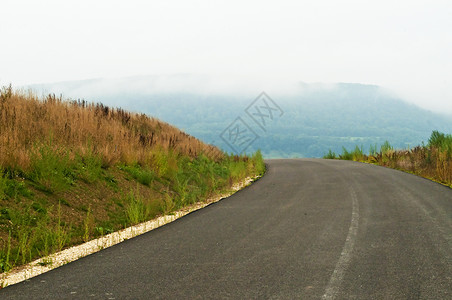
(85, 129)
(136, 210)
(441, 141)
(51, 149)
(433, 161)
(31, 234)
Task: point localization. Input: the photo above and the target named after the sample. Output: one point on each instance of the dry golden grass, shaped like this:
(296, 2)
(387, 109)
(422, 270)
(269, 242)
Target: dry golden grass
(433, 161)
(115, 135)
(428, 162)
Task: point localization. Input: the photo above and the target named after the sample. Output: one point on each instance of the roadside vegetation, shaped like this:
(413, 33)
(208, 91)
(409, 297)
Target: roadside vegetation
(71, 171)
(432, 161)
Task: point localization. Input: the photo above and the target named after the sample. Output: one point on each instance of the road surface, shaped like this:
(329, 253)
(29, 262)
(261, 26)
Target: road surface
(309, 229)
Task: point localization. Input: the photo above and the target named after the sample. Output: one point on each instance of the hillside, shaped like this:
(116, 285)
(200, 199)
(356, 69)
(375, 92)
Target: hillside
(316, 117)
(71, 171)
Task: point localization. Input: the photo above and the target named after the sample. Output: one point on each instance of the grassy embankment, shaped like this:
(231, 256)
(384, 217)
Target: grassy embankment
(71, 171)
(432, 161)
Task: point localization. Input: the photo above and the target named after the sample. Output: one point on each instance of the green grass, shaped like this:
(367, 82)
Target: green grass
(357, 154)
(441, 141)
(142, 175)
(51, 169)
(12, 186)
(33, 224)
(136, 209)
(35, 235)
(330, 155)
(432, 161)
(88, 167)
(5, 256)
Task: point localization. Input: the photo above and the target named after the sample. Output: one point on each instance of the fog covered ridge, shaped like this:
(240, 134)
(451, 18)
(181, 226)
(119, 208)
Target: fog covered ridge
(196, 84)
(317, 116)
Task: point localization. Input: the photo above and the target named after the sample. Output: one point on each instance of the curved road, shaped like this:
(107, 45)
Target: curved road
(309, 229)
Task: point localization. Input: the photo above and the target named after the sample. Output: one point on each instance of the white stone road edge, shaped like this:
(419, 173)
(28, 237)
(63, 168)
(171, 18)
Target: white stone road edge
(56, 260)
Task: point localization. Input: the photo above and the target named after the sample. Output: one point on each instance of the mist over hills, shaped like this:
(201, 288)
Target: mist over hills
(313, 117)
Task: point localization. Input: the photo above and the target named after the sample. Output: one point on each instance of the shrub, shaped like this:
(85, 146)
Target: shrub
(385, 148)
(346, 155)
(51, 168)
(135, 208)
(433, 161)
(89, 166)
(141, 174)
(330, 155)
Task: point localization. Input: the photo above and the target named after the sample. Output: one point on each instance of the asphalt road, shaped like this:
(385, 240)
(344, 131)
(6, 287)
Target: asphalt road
(309, 229)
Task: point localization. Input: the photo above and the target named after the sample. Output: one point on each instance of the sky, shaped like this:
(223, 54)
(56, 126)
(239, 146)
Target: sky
(405, 46)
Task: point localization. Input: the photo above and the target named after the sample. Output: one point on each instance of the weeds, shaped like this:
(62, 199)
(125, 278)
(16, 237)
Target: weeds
(167, 205)
(52, 170)
(330, 155)
(442, 142)
(142, 175)
(31, 235)
(12, 187)
(5, 255)
(3, 186)
(92, 130)
(136, 209)
(89, 166)
(45, 262)
(87, 225)
(64, 163)
(61, 232)
(433, 161)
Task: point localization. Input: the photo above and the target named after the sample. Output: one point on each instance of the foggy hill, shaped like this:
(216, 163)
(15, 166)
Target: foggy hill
(315, 117)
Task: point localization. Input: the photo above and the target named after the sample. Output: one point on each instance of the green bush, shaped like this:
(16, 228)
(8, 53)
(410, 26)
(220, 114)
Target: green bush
(373, 150)
(160, 162)
(358, 153)
(441, 141)
(141, 174)
(12, 188)
(135, 208)
(5, 256)
(385, 148)
(138, 209)
(89, 167)
(51, 169)
(330, 155)
(258, 163)
(346, 155)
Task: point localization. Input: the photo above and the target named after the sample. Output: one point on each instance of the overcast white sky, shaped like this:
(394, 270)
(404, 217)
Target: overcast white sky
(402, 45)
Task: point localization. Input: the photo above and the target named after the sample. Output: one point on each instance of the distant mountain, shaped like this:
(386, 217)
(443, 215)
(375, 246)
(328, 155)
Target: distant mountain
(306, 122)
